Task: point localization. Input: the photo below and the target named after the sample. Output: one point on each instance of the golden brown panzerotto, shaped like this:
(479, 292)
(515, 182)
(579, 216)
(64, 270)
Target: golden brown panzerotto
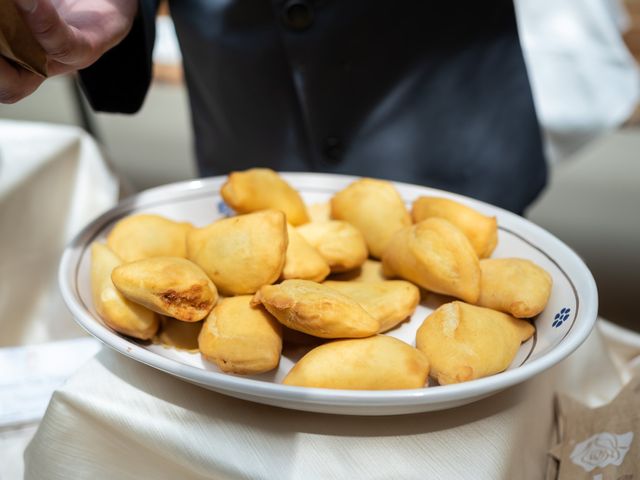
(390, 302)
(261, 189)
(435, 255)
(317, 310)
(464, 342)
(145, 236)
(171, 286)
(242, 253)
(302, 260)
(241, 338)
(375, 208)
(374, 363)
(514, 285)
(340, 243)
(481, 230)
(120, 314)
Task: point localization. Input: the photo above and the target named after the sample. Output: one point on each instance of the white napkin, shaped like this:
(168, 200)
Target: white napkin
(53, 180)
(117, 418)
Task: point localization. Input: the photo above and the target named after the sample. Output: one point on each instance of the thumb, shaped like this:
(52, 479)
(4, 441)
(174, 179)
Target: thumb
(60, 41)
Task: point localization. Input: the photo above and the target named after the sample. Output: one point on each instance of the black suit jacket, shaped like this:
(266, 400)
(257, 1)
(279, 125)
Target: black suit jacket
(434, 93)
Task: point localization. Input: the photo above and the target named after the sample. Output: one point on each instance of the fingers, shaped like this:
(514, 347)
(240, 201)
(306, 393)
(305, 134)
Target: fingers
(56, 68)
(16, 82)
(58, 39)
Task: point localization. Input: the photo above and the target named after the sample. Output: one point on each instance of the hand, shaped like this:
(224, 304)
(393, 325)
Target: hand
(73, 33)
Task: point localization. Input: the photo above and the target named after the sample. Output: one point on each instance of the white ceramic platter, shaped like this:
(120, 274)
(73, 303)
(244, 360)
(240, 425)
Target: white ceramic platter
(560, 328)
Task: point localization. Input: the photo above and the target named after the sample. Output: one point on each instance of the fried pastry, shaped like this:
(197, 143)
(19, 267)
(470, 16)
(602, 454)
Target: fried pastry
(340, 243)
(317, 310)
(145, 236)
(171, 286)
(242, 253)
(514, 285)
(437, 256)
(389, 302)
(302, 260)
(482, 231)
(374, 363)
(241, 338)
(117, 312)
(261, 189)
(464, 342)
(375, 208)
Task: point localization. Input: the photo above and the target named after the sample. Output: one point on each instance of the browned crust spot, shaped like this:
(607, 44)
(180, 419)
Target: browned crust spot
(190, 298)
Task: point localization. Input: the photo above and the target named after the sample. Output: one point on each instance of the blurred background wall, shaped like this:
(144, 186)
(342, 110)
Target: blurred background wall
(592, 201)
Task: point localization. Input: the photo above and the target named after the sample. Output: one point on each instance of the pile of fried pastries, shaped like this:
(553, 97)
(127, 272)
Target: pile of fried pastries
(333, 277)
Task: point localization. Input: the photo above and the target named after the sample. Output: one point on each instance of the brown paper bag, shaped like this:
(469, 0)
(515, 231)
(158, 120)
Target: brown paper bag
(598, 444)
(17, 42)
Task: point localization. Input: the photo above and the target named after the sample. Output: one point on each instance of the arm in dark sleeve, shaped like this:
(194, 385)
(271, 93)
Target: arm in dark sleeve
(119, 80)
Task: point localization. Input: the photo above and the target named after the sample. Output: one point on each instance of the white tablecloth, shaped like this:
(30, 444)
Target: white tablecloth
(117, 418)
(53, 180)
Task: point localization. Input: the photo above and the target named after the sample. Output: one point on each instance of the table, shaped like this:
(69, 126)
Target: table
(53, 180)
(116, 418)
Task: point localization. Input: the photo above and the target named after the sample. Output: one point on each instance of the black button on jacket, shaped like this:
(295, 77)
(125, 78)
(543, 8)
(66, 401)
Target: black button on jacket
(434, 93)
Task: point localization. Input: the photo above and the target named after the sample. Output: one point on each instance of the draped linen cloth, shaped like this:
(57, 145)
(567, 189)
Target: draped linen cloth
(117, 418)
(53, 181)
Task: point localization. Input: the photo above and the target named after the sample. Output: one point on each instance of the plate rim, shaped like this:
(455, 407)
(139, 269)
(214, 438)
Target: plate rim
(231, 384)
